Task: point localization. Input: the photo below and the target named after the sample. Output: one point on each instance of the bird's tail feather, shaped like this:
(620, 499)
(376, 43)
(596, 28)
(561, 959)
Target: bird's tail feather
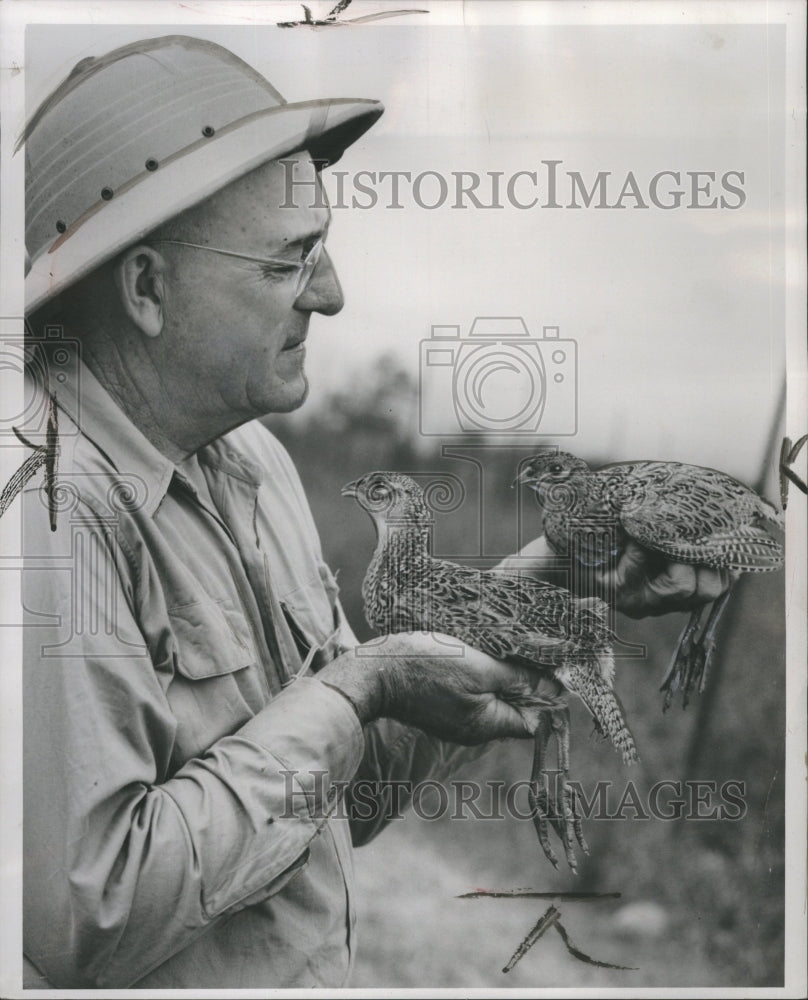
(747, 549)
(603, 704)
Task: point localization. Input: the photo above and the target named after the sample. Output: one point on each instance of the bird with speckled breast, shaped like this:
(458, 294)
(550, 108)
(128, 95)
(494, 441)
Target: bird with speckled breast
(505, 615)
(684, 513)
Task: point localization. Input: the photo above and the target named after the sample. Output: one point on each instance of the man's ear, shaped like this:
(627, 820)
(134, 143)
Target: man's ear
(140, 280)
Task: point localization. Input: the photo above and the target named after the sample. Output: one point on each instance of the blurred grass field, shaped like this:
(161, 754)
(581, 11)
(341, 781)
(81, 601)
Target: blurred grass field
(711, 892)
(702, 900)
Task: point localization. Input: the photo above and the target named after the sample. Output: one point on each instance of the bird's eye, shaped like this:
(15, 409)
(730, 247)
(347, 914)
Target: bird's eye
(379, 492)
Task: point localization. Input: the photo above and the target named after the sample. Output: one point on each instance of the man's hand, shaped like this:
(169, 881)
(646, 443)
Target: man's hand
(440, 685)
(646, 584)
(642, 584)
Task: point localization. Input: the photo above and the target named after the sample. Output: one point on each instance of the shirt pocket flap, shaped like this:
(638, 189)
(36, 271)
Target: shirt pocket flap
(212, 639)
(312, 621)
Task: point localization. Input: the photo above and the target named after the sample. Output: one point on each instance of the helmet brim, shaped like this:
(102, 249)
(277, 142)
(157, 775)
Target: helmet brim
(325, 128)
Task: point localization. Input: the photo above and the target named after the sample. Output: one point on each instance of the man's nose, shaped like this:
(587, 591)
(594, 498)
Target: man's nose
(323, 294)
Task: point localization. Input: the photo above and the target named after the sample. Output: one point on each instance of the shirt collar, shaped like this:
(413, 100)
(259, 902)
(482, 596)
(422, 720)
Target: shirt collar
(103, 422)
(221, 456)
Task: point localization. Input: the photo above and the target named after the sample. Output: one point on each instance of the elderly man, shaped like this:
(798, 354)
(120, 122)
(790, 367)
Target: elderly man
(180, 824)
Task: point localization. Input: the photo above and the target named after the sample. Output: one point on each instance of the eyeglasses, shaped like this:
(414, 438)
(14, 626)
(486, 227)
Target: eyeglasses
(305, 268)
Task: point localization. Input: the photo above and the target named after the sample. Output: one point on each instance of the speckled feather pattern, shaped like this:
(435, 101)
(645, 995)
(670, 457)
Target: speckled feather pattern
(506, 615)
(688, 513)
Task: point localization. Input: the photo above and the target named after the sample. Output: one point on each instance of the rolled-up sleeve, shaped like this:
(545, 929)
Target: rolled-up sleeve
(125, 866)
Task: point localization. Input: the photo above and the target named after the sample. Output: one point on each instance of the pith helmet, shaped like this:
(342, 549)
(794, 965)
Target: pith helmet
(134, 137)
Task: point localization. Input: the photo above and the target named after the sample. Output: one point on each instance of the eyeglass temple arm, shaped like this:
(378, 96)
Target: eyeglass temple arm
(232, 253)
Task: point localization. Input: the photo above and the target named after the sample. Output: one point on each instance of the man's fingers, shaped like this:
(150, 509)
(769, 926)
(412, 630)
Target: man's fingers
(637, 564)
(517, 696)
(711, 583)
(646, 584)
(685, 587)
(468, 699)
(511, 721)
(678, 582)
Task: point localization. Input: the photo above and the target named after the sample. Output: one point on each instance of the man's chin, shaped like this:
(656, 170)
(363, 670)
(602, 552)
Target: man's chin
(293, 398)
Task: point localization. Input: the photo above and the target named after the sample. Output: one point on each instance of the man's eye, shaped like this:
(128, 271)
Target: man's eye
(275, 271)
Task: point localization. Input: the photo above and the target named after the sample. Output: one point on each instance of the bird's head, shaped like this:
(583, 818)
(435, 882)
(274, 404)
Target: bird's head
(390, 498)
(552, 469)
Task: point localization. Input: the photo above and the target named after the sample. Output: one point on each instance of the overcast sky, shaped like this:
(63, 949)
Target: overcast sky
(678, 315)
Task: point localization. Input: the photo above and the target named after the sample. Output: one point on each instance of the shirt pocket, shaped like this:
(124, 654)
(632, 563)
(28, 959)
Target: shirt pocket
(310, 614)
(217, 683)
(212, 639)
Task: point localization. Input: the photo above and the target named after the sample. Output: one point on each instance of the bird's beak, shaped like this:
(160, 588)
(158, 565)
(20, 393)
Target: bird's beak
(522, 478)
(349, 489)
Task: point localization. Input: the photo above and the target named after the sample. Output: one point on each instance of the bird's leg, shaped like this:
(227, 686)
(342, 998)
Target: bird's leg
(559, 809)
(677, 674)
(703, 649)
(569, 828)
(691, 661)
(538, 796)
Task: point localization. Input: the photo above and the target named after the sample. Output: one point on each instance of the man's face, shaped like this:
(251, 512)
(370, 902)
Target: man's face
(239, 328)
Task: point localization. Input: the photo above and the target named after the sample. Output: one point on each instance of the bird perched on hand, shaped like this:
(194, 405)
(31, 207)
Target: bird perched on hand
(686, 513)
(505, 615)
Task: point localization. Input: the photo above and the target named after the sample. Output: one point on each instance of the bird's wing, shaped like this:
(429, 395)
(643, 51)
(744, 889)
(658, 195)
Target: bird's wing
(694, 514)
(503, 614)
(747, 549)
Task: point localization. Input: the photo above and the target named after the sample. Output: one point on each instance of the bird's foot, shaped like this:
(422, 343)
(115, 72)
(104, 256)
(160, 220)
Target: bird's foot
(677, 676)
(559, 809)
(691, 661)
(703, 654)
(690, 671)
(569, 825)
(539, 800)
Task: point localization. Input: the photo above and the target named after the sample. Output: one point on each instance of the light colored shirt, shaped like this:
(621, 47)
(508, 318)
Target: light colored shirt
(178, 830)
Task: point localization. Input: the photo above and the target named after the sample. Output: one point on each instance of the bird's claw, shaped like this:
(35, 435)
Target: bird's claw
(539, 805)
(691, 661)
(566, 821)
(676, 676)
(570, 828)
(559, 809)
(688, 671)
